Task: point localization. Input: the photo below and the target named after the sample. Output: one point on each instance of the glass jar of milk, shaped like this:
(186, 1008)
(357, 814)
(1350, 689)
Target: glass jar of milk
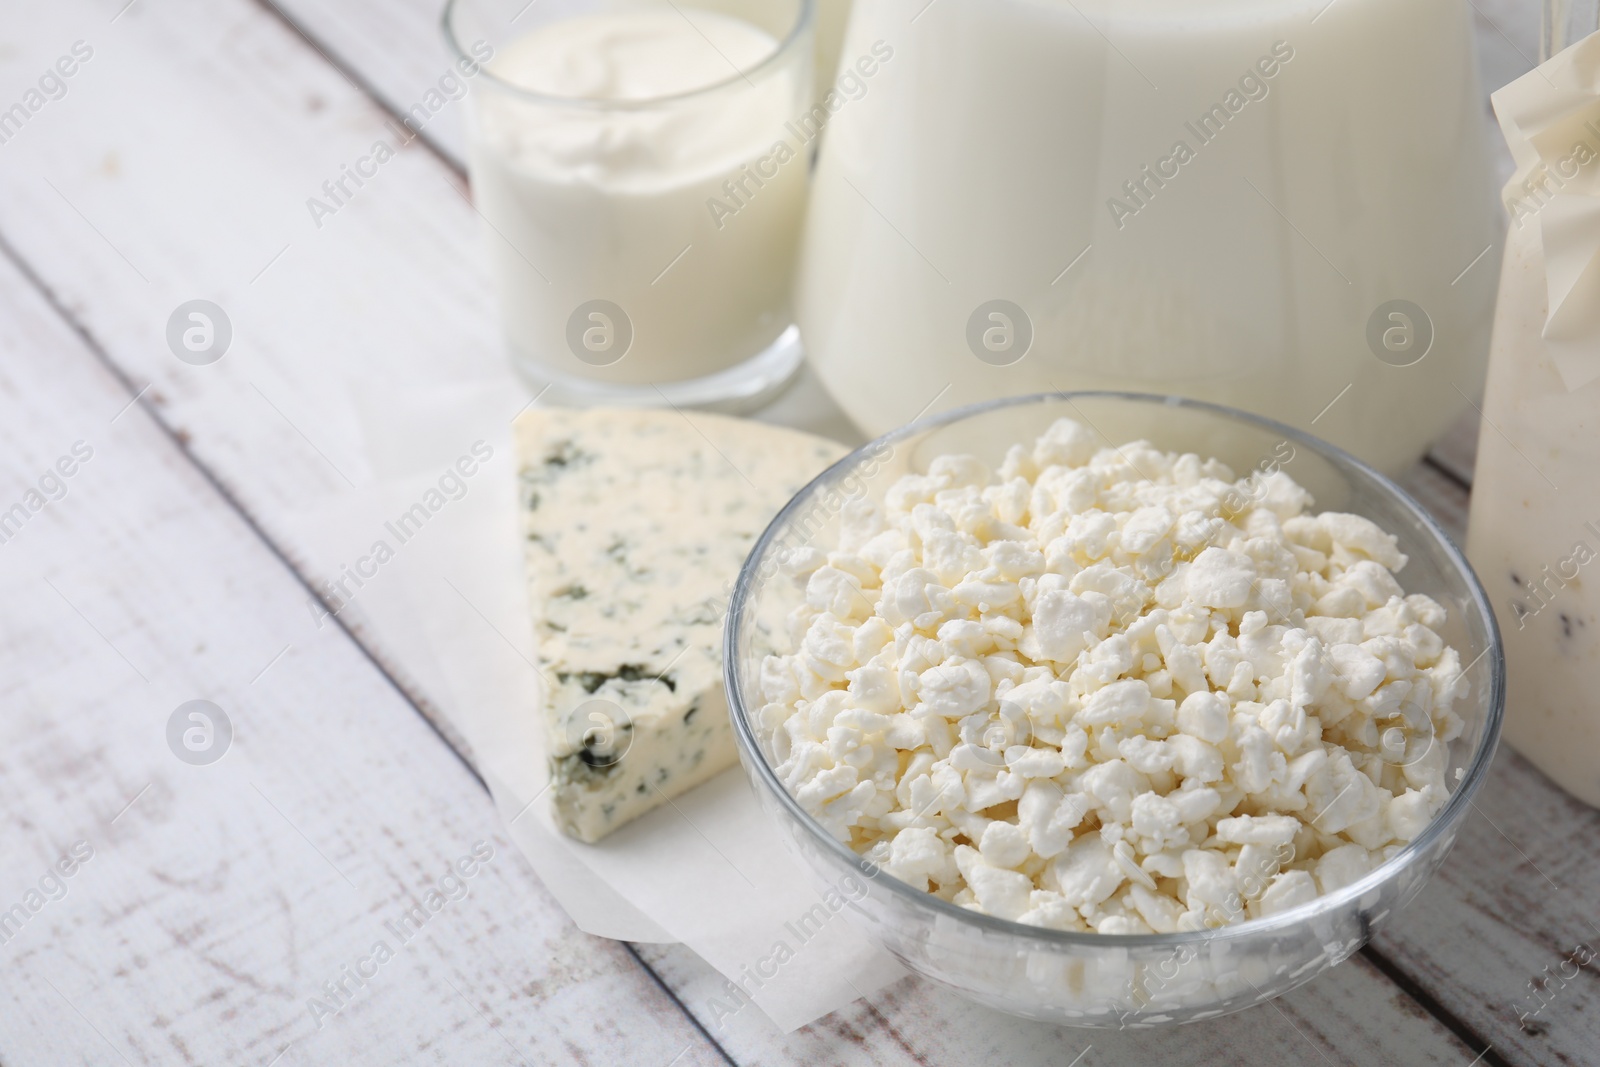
(1283, 205)
(642, 192)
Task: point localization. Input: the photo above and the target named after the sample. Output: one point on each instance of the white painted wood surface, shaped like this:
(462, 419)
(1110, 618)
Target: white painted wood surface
(219, 899)
(177, 166)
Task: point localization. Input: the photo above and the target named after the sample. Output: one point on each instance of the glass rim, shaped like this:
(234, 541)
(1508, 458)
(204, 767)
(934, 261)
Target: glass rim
(804, 19)
(1443, 822)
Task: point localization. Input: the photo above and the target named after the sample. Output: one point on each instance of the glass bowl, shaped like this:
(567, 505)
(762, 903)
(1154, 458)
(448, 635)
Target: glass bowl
(1092, 979)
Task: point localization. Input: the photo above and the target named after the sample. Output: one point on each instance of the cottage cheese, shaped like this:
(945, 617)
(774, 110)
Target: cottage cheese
(1117, 689)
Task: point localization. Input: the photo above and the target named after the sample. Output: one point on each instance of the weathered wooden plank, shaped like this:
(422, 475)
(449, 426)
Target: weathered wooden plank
(1441, 495)
(1457, 453)
(1349, 1015)
(396, 51)
(216, 900)
(1510, 939)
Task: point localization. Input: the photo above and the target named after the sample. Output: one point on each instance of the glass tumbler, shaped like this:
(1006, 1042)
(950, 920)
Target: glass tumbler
(642, 241)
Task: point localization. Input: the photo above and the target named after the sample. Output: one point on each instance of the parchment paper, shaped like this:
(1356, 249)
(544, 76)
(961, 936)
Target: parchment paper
(708, 871)
(1551, 120)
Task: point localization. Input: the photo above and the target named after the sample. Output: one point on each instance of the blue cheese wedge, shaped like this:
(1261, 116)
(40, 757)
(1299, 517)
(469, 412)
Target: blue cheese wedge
(637, 523)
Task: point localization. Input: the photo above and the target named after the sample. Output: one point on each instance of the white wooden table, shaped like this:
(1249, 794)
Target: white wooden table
(218, 901)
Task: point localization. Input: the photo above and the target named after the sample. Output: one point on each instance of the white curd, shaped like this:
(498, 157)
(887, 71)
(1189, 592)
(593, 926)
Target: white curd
(1112, 689)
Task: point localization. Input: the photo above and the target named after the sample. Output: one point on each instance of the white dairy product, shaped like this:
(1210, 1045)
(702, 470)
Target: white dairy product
(1535, 524)
(1327, 167)
(636, 525)
(599, 191)
(1113, 689)
(1535, 532)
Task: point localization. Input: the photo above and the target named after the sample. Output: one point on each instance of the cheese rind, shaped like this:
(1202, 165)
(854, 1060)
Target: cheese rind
(637, 523)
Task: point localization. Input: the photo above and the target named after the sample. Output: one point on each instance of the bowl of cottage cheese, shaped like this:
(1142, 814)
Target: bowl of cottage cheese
(1126, 710)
